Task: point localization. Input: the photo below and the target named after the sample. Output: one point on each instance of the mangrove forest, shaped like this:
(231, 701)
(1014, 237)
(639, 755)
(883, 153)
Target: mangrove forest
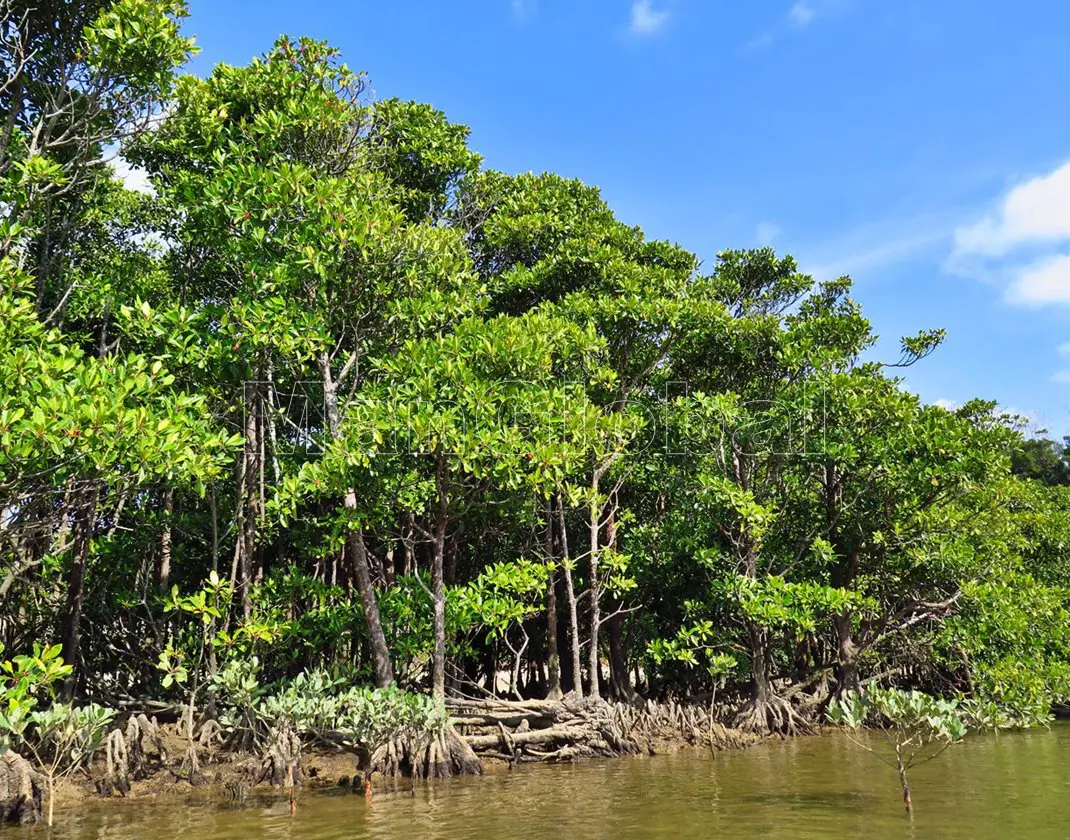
(329, 436)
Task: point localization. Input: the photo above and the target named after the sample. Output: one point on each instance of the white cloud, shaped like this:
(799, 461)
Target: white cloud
(1062, 377)
(133, 178)
(1046, 281)
(802, 13)
(646, 20)
(1034, 212)
(766, 232)
(946, 404)
(1022, 243)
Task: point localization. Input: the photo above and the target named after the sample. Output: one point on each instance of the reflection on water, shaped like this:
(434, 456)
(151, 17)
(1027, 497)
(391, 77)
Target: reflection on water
(1010, 786)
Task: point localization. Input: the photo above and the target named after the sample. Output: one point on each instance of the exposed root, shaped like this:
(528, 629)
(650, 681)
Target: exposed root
(21, 790)
(190, 768)
(140, 733)
(211, 735)
(117, 766)
(131, 753)
(280, 765)
(770, 715)
(425, 756)
(539, 730)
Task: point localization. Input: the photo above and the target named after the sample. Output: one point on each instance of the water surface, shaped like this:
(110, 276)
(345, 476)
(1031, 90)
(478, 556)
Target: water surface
(1011, 786)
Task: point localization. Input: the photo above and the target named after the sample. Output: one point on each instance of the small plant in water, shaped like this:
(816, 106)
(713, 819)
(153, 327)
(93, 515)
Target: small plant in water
(917, 727)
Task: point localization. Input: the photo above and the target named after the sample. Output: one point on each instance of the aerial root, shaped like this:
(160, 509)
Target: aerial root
(770, 714)
(425, 756)
(21, 790)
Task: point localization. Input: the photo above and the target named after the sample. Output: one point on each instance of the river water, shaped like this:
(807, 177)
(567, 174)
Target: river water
(1011, 787)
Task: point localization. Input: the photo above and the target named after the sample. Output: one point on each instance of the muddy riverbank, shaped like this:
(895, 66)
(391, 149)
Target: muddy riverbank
(500, 735)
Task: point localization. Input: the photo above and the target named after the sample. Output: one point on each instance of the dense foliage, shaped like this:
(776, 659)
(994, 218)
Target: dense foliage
(336, 403)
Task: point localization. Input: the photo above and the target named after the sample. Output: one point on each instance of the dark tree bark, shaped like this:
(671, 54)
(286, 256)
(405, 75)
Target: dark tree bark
(758, 643)
(84, 515)
(619, 674)
(847, 653)
(449, 569)
(843, 575)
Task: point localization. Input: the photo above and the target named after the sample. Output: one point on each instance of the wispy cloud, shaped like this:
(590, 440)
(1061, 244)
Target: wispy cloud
(524, 9)
(876, 246)
(1062, 377)
(799, 16)
(802, 13)
(759, 42)
(646, 20)
(766, 232)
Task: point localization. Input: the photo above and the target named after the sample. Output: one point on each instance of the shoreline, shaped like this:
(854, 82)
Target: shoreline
(503, 735)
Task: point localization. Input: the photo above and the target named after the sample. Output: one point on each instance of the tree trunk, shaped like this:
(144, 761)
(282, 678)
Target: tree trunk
(758, 639)
(163, 571)
(438, 588)
(355, 548)
(239, 540)
(901, 766)
(594, 591)
(490, 666)
(844, 573)
(846, 654)
(252, 513)
(573, 613)
(449, 568)
(214, 514)
(261, 497)
(72, 617)
(619, 675)
(357, 552)
(553, 657)
(438, 592)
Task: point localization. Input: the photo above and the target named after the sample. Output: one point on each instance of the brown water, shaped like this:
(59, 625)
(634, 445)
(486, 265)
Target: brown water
(1008, 787)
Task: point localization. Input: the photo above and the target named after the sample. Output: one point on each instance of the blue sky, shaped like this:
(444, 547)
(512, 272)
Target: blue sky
(921, 146)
